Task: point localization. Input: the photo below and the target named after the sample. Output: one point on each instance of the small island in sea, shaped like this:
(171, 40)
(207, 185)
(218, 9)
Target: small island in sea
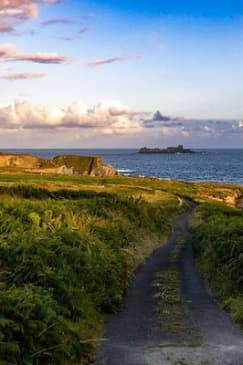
(168, 150)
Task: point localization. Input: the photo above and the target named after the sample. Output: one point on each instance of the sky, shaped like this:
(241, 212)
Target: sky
(121, 74)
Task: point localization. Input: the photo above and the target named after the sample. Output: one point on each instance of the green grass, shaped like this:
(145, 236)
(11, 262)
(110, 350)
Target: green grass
(218, 246)
(68, 250)
(81, 164)
(67, 257)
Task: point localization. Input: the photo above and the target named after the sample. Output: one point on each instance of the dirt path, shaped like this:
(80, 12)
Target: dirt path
(134, 336)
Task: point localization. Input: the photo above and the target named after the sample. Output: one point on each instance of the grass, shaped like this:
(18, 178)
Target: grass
(67, 257)
(218, 246)
(169, 306)
(68, 250)
(81, 165)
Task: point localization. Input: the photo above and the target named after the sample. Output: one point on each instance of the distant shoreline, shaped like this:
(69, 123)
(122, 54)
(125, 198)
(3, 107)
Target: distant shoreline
(221, 165)
(109, 149)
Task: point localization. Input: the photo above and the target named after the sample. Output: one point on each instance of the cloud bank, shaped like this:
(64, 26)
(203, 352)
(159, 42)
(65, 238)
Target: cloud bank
(104, 118)
(108, 121)
(192, 127)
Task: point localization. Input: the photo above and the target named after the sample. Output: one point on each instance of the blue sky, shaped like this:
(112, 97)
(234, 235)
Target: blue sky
(90, 73)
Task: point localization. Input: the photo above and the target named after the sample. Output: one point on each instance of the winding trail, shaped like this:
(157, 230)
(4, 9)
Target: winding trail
(134, 337)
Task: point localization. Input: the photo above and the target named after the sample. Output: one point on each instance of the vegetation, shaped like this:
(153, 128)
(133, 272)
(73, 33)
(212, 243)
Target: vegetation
(218, 246)
(68, 250)
(66, 259)
(169, 308)
(65, 164)
(81, 164)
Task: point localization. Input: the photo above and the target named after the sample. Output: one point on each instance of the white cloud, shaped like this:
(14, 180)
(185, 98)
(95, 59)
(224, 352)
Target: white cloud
(240, 124)
(104, 118)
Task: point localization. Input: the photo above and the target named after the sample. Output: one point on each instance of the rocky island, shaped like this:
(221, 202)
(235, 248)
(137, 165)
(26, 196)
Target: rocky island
(168, 150)
(71, 165)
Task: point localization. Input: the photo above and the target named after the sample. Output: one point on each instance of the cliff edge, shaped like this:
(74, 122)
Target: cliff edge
(72, 165)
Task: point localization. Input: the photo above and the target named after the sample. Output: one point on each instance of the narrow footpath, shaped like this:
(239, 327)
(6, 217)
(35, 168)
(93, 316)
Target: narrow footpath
(135, 335)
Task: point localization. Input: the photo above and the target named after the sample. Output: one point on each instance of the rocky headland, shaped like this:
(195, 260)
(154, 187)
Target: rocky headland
(70, 165)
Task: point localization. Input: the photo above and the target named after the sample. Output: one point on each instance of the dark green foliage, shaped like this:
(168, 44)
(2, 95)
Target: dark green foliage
(63, 264)
(30, 192)
(218, 245)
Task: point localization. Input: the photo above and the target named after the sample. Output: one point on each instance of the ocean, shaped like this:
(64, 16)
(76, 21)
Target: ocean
(222, 165)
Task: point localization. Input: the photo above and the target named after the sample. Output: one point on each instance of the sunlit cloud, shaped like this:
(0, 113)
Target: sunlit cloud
(109, 118)
(100, 62)
(15, 12)
(18, 10)
(6, 28)
(104, 118)
(7, 50)
(9, 53)
(106, 61)
(46, 58)
(23, 76)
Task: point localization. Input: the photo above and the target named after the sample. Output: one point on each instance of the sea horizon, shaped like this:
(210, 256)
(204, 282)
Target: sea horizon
(208, 165)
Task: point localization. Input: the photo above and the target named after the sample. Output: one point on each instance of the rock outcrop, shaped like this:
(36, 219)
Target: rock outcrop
(19, 161)
(229, 196)
(70, 165)
(168, 150)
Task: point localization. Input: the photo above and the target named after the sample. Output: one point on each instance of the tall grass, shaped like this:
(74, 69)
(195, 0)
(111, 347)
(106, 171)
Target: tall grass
(218, 246)
(66, 259)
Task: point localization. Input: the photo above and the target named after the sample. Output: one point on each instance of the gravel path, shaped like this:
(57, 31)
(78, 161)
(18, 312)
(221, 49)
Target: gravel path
(133, 336)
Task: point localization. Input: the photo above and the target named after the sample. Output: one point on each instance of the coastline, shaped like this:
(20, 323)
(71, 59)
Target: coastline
(217, 165)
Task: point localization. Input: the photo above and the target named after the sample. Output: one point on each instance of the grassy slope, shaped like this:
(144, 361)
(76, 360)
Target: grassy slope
(67, 255)
(68, 248)
(218, 246)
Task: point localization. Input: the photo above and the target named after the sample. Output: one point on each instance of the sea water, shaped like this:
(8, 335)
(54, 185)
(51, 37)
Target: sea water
(222, 165)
